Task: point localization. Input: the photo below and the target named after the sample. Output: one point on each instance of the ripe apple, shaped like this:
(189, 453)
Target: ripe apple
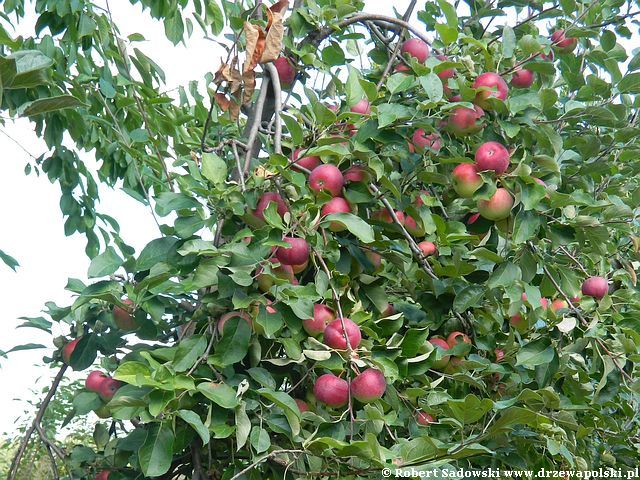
(369, 386)
(356, 173)
(558, 304)
(465, 121)
(309, 162)
(456, 337)
(440, 343)
(495, 87)
(334, 334)
(548, 57)
(296, 254)
(412, 226)
(388, 310)
(517, 321)
(363, 107)
(499, 355)
(123, 318)
(466, 179)
(492, 156)
(498, 207)
(94, 380)
(229, 315)
(401, 68)
(103, 475)
(424, 418)
(375, 259)
(544, 303)
(416, 48)
(327, 178)
(285, 272)
(336, 205)
(455, 365)
(322, 316)
(562, 43)
(423, 141)
(383, 215)
(331, 390)
(302, 405)
(265, 200)
(418, 202)
(428, 248)
(522, 78)
(447, 73)
(286, 71)
(67, 350)
(300, 268)
(596, 287)
(108, 389)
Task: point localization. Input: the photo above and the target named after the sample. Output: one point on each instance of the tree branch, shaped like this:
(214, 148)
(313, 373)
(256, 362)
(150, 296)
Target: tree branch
(13, 470)
(277, 94)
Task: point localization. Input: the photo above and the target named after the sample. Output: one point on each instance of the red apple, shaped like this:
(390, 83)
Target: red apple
(286, 71)
(492, 156)
(229, 315)
(401, 68)
(596, 287)
(94, 380)
(522, 78)
(296, 254)
(466, 180)
(265, 200)
(465, 121)
(305, 162)
(495, 86)
(331, 390)
(362, 107)
(383, 215)
(428, 248)
(336, 205)
(356, 173)
(544, 303)
(548, 57)
(67, 350)
(369, 386)
(418, 202)
(440, 343)
(416, 48)
(424, 419)
(517, 321)
(123, 318)
(499, 355)
(327, 178)
(322, 316)
(103, 475)
(388, 310)
(558, 304)
(300, 268)
(498, 207)
(423, 141)
(302, 405)
(456, 337)
(285, 272)
(334, 334)
(562, 43)
(447, 73)
(375, 259)
(412, 226)
(473, 218)
(108, 389)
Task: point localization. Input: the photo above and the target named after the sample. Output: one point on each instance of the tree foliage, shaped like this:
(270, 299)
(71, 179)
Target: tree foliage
(539, 384)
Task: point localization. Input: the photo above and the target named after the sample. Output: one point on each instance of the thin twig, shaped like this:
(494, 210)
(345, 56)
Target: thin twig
(262, 459)
(13, 470)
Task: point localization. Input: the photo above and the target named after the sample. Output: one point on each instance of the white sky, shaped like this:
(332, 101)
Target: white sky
(31, 225)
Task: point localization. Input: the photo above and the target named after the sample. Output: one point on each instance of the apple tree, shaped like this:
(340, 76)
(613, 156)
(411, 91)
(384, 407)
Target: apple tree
(403, 241)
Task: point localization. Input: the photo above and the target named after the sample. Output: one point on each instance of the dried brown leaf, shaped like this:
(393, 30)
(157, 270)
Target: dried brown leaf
(275, 34)
(249, 82)
(222, 101)
(280, 6)
(256, 38)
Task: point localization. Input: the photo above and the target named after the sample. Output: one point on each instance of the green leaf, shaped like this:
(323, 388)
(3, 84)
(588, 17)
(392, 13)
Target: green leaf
(288, 405)
(156, 251)
(432, 86)
(243, 425)
(630, 83)
(505, 275)
(105, 264)
(399, 82)
(174, 27)
(219, 393)
(9, 261)
(469, 296)
(84, 402)
(356, 225)
(26, 346)
(214, 168)
(508, 41)
(156, 452)
(537, 352)
(234, 344)
(295, 130)
(260, 440)
(51, 104)
(194, 420)
(449, 12)
(133, 373)
(526, 226)
(470, 409)
(189, 350)
(355, 92)
(84, 353)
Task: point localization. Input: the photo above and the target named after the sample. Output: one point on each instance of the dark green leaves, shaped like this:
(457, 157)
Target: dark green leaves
(214, 168)
(234, 343)
(156, 453)
(45, 105)
(9, 261)
(505, 275)
(535, 353)
(220, 394)
(105, 264)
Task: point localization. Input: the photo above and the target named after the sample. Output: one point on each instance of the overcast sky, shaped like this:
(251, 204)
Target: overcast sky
(31, 225)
